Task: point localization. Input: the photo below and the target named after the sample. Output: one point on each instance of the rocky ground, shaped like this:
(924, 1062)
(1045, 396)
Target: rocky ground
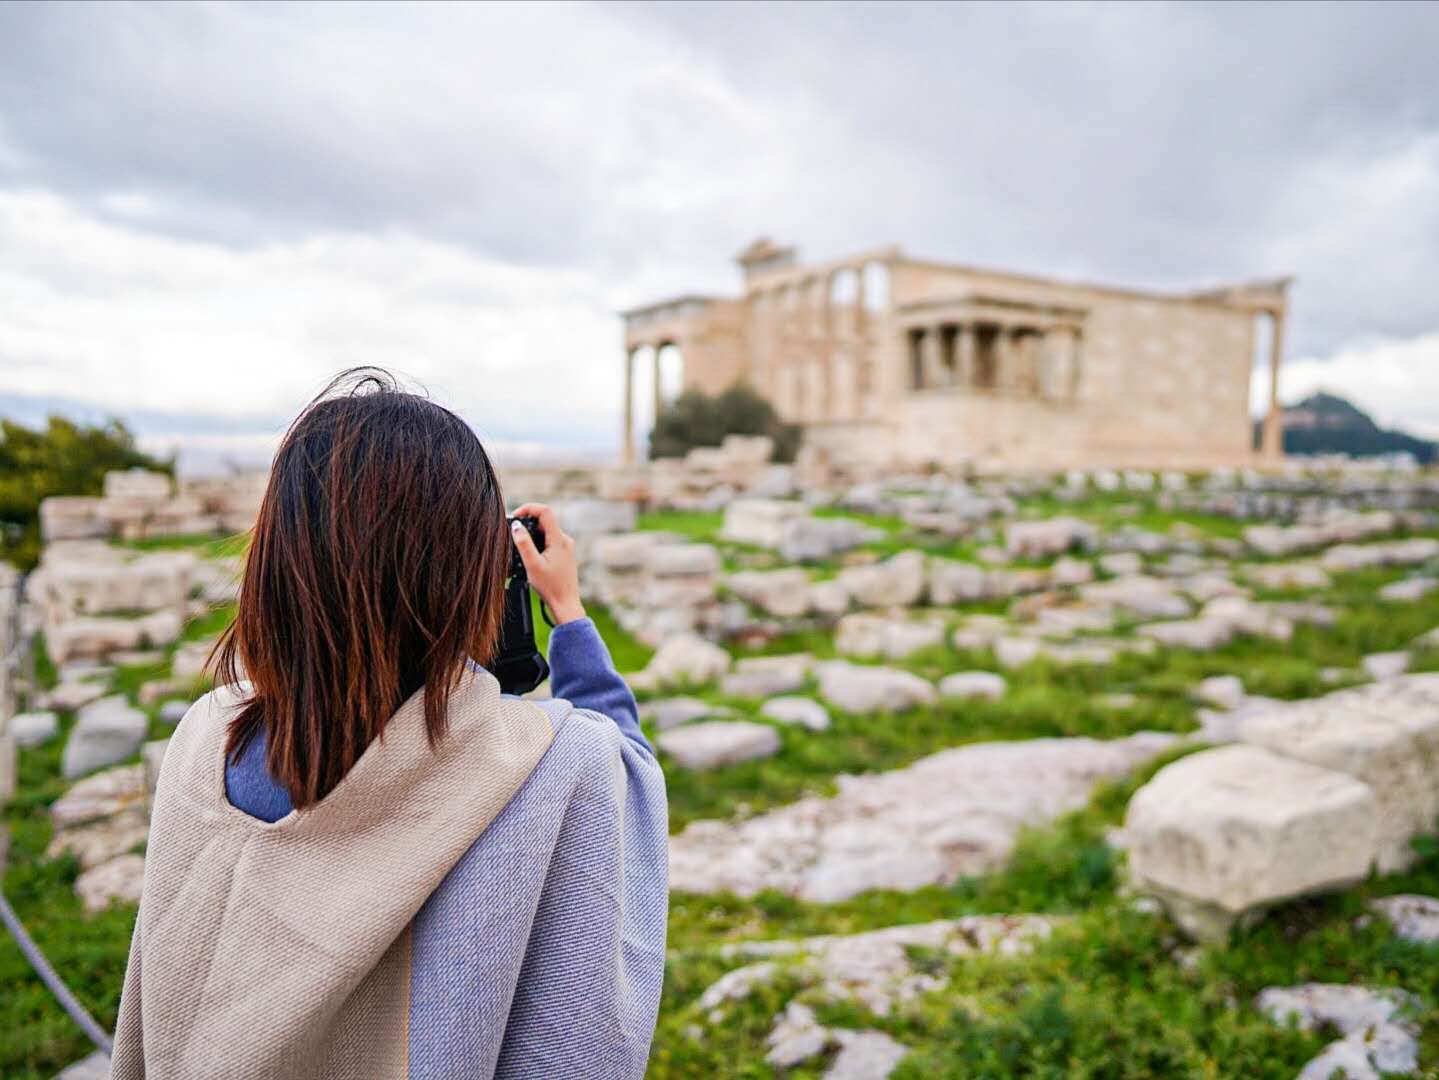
(1107, 775)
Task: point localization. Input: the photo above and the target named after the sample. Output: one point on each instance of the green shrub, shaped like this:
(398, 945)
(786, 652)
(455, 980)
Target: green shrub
(696, 419)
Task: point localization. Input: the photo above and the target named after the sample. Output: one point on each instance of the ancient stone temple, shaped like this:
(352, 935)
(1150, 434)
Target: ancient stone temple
(900, 359)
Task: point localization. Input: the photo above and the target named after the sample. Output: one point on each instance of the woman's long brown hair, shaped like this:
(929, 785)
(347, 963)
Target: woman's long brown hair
(377, 567)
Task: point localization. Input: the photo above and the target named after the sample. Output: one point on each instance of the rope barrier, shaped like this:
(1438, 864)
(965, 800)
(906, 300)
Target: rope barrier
(56, 985)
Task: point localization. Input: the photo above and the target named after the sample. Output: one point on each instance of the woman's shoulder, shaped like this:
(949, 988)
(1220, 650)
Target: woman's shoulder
(590, 743)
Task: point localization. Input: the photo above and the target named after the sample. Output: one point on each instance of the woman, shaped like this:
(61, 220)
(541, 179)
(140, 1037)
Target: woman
(364, 860)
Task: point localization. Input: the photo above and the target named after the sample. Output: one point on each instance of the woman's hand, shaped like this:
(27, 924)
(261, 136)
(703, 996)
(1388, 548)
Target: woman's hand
(554, 572)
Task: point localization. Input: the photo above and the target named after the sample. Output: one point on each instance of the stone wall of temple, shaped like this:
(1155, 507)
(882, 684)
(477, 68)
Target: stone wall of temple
(906, 360)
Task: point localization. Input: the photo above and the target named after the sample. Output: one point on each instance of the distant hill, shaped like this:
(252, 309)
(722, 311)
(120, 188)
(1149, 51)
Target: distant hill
(1325, 424)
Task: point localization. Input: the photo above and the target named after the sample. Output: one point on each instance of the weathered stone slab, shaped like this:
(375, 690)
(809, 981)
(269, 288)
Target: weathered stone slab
(106, 731)
(781, 593)
(1414, 918)
(1379, 1027)
(119, 880)
(1142, 596)
(1224, 832)
(1048, 537)
(687, 659)
(101, 795)
(1386, 665)
(34, 728)
(712, 743)
(1409, 590)
(967, 685)
(1202, 635)
(859, 688)
(1298, 575)
(592, 517)
(798, 710)
(765, 676)
(953, 813)
(72, 695)
(100, 841)
(874, 636)
(896, 582)
(1396, 760)
(1223, 691)
(666, 713)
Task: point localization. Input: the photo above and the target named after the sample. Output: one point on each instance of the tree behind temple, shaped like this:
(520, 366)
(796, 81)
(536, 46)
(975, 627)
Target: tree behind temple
(697, 419)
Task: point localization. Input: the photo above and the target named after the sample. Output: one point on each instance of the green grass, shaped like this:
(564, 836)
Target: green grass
(1115, 994)
(701, 526)
(206, 545)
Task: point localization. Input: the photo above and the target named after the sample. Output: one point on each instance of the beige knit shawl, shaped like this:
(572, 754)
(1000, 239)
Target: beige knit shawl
(282, 950)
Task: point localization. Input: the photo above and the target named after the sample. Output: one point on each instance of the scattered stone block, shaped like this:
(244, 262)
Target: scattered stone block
(1048, 537)
(1408, 590)
(1121, 563)
(1141, 596)
(1386, 665)
(72, 695)
(592, 517)
(97, 842)
(1297, 575)
(119, 880)
(1379, 1029)
(189, 660)
(1225, 832)
(1201, 635)
(1221, 691)
(666, 713)
(828, 598)
(1414, 918)
(797, 710)
(1015, 652)
(1247, 617)
(1395, 758)
(713, 743)
(872, 636)
(979, 632)
(766, 676)
(99, 796)
(687, 659)
(953, 813)
(34, 728)
(106, 732)
(865, 1055)
(858, 688)
(796, 1037)
(784, 594)
(967, 685)
(953, 582)
(896, 582)
(1067, 573)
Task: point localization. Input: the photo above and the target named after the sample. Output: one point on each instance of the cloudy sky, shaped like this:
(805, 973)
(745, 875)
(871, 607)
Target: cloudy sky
(207, 208)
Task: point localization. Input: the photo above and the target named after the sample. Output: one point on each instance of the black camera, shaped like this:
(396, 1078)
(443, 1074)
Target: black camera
(518, 665)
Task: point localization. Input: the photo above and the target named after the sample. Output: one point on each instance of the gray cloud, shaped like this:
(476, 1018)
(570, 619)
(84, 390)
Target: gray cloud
(638, 145)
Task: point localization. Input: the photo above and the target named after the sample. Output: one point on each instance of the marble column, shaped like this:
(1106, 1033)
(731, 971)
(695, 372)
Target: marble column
(964, 355)
(931, 362)
(628, 447)
(1273, 435)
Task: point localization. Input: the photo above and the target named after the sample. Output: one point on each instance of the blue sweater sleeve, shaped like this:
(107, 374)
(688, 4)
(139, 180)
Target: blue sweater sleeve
(582, 673)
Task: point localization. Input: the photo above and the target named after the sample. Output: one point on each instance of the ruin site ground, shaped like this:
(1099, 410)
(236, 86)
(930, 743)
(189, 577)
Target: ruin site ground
(1083, 775)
